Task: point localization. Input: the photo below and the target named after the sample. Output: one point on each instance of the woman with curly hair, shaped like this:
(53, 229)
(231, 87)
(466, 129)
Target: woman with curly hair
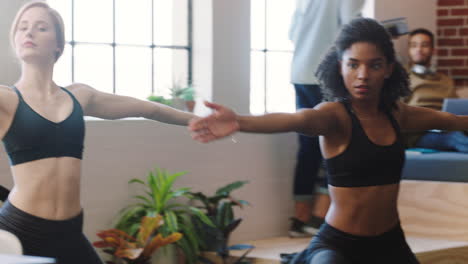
(359, 128)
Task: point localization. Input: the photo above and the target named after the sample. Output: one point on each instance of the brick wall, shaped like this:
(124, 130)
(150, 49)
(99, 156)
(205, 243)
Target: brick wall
(452, 41)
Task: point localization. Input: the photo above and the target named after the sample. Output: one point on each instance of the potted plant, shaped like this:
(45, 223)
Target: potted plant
(219, 208)
(160, 198)
(138, 249)
(183, 96)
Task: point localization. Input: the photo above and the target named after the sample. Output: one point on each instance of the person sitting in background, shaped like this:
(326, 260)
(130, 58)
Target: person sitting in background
(429, 89)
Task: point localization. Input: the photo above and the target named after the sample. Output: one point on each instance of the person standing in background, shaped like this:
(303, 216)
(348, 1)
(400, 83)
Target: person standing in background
(315, 25)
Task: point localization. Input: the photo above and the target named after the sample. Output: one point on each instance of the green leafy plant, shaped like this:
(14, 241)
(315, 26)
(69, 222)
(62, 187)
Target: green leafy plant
(161, 199)
(186, 93)
(219, 208)
(139, 249)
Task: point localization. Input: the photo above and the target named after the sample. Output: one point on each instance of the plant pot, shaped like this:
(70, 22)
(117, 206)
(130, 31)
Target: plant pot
(178, 103)
(121, 261)
(167, 254)
(211, 256)
(190, 105)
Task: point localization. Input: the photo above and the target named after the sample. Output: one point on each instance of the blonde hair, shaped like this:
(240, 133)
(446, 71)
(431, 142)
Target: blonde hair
(56, 19)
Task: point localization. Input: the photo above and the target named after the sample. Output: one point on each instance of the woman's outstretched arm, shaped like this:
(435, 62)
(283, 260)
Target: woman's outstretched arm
(224, 121)
(415, 118)
(111, 106)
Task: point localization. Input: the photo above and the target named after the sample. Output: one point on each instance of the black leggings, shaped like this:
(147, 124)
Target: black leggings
(331, 245)
(63, 240)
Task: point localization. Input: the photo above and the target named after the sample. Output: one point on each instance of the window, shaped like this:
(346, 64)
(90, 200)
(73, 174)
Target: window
(271, 55)
(133, 48)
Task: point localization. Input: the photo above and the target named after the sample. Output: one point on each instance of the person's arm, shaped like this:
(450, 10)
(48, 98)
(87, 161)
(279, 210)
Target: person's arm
(415, 118)
(320, 120)
(111, 106)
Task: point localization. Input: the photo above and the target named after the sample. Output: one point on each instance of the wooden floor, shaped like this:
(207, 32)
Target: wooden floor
(436, 210)
(433, 251)
(434, 216)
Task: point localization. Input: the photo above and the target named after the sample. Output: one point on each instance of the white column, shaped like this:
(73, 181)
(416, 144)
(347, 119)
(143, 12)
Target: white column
(222, 52)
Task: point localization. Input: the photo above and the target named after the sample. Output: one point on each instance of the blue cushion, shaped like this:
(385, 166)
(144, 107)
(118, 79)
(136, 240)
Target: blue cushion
(440, 166)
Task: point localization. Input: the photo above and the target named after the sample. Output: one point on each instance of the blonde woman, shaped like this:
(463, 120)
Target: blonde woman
(43, 131)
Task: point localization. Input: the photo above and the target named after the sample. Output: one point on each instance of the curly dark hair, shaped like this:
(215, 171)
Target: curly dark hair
(362, 30)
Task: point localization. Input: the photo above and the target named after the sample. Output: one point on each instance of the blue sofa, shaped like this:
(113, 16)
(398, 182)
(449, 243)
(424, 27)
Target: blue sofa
(440, 166)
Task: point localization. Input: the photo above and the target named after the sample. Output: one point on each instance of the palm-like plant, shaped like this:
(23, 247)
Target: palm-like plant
(161, 199)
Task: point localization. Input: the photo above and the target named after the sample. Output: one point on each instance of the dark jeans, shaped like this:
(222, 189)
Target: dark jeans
(60, 239)
(331, 245)
(454, 140)
(309, 158)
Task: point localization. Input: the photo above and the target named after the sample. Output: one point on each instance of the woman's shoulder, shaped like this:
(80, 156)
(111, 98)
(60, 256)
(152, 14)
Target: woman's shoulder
(8, 99)
(399, 112)
(332, 107)
(6, 89)
(334, 110)
(81, 91)
(78, 87)
(7, 92)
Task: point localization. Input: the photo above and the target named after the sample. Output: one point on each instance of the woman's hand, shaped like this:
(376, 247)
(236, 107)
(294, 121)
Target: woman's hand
(221, 123)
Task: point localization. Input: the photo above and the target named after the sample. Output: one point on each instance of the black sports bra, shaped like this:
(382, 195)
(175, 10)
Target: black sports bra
(33, 137)
(364, 163)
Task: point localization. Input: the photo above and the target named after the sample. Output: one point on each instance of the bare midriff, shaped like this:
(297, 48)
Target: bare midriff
(364, 211)
(48, 188)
